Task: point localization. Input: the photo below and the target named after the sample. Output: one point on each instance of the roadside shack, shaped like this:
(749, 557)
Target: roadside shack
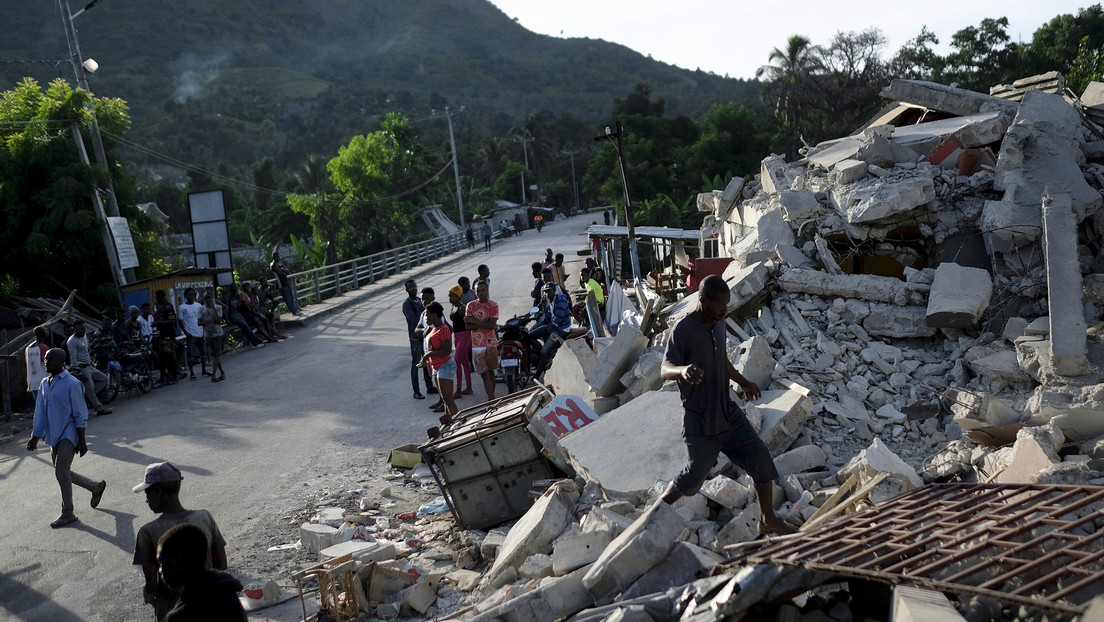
(174, 283)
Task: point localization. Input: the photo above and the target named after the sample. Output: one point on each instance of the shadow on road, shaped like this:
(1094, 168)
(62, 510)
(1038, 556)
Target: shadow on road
(124, 530)
(19, 599)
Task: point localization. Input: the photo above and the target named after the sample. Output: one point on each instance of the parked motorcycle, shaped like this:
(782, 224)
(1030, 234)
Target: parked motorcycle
(126, 369)
(517, 355)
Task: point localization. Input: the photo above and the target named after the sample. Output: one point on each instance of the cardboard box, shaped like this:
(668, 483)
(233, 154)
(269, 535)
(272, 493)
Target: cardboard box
(405, 457)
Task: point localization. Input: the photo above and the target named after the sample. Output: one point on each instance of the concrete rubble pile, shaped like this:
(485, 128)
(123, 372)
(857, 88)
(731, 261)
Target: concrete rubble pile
(919, 302)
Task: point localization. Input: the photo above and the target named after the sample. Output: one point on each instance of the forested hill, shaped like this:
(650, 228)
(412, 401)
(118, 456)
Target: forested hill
(260, 75)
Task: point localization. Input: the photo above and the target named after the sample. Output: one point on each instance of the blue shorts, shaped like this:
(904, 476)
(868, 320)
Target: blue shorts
(446, 371)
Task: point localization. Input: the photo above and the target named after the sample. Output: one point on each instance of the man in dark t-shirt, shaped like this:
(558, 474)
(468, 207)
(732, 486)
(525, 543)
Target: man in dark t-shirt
(697, 358)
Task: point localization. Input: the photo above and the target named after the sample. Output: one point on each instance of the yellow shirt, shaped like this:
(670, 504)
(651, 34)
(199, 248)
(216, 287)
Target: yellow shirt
(593, 286)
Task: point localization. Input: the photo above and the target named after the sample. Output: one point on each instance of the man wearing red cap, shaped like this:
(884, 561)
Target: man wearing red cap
(162, 488)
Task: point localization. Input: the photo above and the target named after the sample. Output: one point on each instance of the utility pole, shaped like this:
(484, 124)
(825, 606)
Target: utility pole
(97, 141)
(97, 205)
(629, 220)
(574, 186)
(455, 165)
(524, 140)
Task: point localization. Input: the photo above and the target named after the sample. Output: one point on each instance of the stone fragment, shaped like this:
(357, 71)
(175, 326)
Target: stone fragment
(364, 552)
(958, 296)
(558, 599)
(725, 491)
(800, 459)
(890, 320)
(615, 359)
(784, 413)
(640, 547)
(334, 517)
(605, 520)
(1029, 457)
(792, 256)
(776, 174)
(1013, 329)
(1001, 369)
(492, 542)
(680, 567)
(847, 171)
(879, 458)
(1068, 349)
(536, 566)
(315, 537)
(574, 551)
(914, 604)
(871, 200)
(567, 375)
(943, 98)
(744, 527)
(756, 363)
(866, 286)
(419, 597)
(630, 448)
(770, 232)
(744, 283)
(798, 206)
(536, 529)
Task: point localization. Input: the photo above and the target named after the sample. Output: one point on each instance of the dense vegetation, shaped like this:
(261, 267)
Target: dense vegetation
(316, 118)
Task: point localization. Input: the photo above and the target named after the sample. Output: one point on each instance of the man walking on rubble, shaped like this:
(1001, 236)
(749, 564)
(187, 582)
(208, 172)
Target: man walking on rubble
(697, 358)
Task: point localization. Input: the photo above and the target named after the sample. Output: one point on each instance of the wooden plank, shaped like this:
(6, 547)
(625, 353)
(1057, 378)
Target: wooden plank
(848, 504)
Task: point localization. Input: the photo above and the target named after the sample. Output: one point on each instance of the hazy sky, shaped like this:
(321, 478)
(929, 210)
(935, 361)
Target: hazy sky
(735, 37)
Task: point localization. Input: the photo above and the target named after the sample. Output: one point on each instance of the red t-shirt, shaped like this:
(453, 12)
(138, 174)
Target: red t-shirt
(437, 339)
(483, 311)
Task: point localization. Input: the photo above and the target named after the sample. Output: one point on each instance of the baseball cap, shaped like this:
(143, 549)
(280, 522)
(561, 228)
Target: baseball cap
(456, 289)
(159, 473)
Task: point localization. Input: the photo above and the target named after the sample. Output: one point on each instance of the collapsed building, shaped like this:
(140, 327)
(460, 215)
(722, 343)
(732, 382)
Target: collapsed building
(921, 304)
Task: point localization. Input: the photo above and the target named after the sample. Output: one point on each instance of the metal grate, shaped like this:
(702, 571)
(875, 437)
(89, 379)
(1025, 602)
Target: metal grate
(1035, 545)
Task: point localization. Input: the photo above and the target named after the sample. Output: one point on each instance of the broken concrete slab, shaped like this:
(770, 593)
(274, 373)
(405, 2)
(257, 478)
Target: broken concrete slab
(871, 200)
(792, 256)
(1068, 348)
(681, 566)
(770, 232)
(903, 322)
(315, 537)
(847, 171)
(361, 551)
(756, 363)
(798, 206)
(640, 547)
(784, 413)
(535, 531)
(945, 98)
(1001, 370)
(1029, 457)
(958, 296)
(973, 130)
(872, 147)
(881, 459)
(865, 286)
(725, 491)
(574, 551)
(914, 604)
(744, 283)
(776, 174)
(558, 599)
(605, 520)
(615, 359)
(800, 460)
(744, 527)
(536, 566)
(1013, 329)
(567, 375)
(651, 425)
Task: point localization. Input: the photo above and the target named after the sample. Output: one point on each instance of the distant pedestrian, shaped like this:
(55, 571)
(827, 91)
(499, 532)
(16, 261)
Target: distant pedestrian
(481, 316)
(287, 288)
(559, 272)
(517, 223)
(80, 359)
(439, 356)
(162, 487)
(60, 419)
(549, 258)
(461, 338)
(211, 320)
(486, 234)
(188, 316)
(469, 234)
(484, 277)
(35, 357)
(606, 216)
(205, 595)
(412, 309)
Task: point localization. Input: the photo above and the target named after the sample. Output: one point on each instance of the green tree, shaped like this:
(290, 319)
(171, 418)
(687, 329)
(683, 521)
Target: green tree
(983, 56)
(918, 60)
(508, 185)
(734, 137)
(1071, 44)
(50, 227)
(790, 86)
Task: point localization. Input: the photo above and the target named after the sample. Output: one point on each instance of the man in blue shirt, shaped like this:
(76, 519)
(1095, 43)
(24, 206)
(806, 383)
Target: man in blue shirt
(412, 309)
(553, 325)
(60, 419)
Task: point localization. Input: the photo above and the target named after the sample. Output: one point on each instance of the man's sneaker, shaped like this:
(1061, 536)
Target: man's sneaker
(418, 395)
(258, 346)
(432, 390)
(63, 521)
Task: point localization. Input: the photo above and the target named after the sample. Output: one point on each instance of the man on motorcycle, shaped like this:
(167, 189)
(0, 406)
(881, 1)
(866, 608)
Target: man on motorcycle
(80, 361)
(553, 325)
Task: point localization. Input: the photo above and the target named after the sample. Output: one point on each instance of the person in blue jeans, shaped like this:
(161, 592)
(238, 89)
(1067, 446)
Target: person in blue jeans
(553, 325)
(412, 309)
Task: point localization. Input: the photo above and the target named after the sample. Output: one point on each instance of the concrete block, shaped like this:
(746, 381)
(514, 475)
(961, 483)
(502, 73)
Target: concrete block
(726, 492)
(731, 192)
(558, 599)
(944, 98)
(315, 537)
(535, 530)
(464, 580)
(492, 542)
(974, 130)
(798, 206)
(1013, 329)
(536, 566)
(847, 171)
(709, 201)
(744, 527)
(334, 517)
(630, 448)
(681, 566)
(784, 412)
(776, 175)
(1001, 369)
(914, 604)
(601, 519)
(567, 375)
(800, 459)
(602, 405)
(615, 359)
(885, 320)
(958, 296)
(769, 232)
(744, 283)
(871, 200)
(756, 362)
(574, 551)
(640, 547)
(1029, 457)
(419, 597)
(364, 552)
(865, 286)
(881, 459)
(1068, 348)
(792, 256)
(871, 147)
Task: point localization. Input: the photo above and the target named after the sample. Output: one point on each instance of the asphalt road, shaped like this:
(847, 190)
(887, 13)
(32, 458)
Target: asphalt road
(324, 406)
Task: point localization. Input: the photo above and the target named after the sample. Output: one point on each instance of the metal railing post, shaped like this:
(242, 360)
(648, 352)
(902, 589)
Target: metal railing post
(317, 286)
(356, 277)
(371, 270)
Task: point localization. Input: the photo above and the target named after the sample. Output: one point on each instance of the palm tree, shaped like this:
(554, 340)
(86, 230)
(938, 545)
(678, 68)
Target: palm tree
(789, 79)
